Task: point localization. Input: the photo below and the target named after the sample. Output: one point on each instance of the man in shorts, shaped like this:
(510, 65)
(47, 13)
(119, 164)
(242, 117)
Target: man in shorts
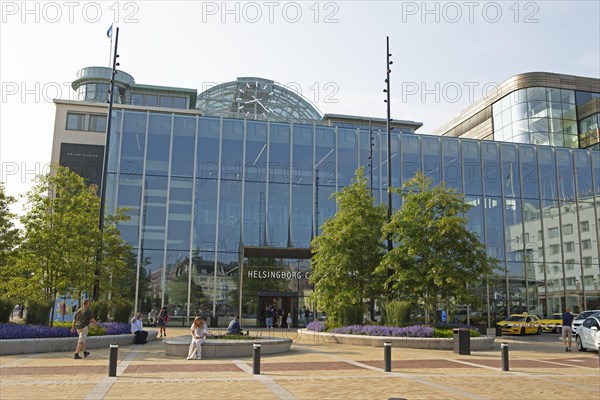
(567, 332)
(81, 321)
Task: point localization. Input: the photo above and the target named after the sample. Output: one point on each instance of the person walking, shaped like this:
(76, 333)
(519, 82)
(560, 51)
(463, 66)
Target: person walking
(567, 331)
(199, 333)
(163, 318)
(270, 313)
(289, 321)
(81, 321)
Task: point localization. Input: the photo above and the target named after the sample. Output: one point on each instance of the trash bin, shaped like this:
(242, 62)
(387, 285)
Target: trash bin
(498, 331)
(482, 328)
(214, 321)
(462, 341)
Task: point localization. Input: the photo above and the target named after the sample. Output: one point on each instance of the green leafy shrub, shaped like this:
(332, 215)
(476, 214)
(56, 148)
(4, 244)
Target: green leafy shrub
(6, 308)
(121, 310)
(352, 314)
(396, 313)
(93, 330)
(38, 312)
(100, 310)
(449, 333)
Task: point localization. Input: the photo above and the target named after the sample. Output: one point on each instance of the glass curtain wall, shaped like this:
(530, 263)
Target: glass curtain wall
(199, 188)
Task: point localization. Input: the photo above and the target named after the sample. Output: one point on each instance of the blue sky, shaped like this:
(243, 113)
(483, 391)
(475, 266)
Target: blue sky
(445, 55)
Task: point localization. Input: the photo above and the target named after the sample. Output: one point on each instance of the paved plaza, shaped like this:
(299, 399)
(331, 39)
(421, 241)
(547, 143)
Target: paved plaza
(314, 368)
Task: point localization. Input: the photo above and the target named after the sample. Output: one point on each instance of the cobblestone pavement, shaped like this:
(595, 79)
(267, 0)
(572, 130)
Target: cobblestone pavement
(314, 368)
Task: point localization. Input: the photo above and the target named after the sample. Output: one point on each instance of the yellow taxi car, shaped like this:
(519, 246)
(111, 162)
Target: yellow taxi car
(521, 324)
(553, 323)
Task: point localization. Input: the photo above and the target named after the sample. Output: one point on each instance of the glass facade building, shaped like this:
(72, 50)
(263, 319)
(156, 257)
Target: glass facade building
(223, 209)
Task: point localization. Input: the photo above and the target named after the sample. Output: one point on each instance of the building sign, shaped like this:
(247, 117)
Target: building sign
(84, 159)
(278, 274)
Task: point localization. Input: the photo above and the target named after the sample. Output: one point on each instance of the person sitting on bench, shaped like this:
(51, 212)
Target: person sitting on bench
(234, 327)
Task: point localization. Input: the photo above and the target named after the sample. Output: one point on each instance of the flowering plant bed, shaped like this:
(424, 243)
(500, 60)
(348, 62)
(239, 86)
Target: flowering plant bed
(416, 331)
(61, 329)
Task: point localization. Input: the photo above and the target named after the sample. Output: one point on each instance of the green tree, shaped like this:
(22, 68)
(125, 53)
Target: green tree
(60, 235)
(59, 253)
(346, 255)
(435, 256)
(9, 242)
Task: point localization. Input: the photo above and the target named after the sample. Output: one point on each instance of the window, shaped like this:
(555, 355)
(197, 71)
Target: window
(587, 262)
(568, 229)
(97, 123)
(554, 249)
(588, 280)
(570, 247)
(75, 122)
(172, 102)
(526, 237)
(552, 232)
(584, 226)
(570, 265)
(570, 281)
(586, 244)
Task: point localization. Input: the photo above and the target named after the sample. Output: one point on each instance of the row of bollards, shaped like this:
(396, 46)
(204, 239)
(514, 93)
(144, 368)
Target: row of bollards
(114, 353)
(387, 356)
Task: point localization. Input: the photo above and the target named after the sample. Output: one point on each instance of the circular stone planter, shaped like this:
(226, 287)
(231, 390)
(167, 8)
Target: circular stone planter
(477, 343)
(226, 348)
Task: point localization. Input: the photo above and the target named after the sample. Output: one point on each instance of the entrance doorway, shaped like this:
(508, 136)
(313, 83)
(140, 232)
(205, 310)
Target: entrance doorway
(281, 303)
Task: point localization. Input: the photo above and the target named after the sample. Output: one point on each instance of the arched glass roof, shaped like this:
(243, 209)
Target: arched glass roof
(257, 98)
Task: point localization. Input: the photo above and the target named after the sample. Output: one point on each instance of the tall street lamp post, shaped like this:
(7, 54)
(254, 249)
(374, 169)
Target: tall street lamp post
(96, 292)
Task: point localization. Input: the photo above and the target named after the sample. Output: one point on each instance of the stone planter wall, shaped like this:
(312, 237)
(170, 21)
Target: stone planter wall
(225, 348)
(477, 343)
(46, 345)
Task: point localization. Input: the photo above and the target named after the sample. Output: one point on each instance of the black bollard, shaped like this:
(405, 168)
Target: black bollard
(256, 359)
(504, 348)
(112, 361)
(387, 356)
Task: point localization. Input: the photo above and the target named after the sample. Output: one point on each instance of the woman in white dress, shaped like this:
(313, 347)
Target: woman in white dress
(199, 333)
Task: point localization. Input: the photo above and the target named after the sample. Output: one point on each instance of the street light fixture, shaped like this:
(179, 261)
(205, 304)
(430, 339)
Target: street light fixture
(389, 128)
(96, 291)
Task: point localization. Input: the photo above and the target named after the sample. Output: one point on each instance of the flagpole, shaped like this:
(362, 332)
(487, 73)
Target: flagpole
(109, 33)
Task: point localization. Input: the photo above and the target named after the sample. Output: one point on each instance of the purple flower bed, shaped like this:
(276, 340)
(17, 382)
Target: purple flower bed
(15, 331)
(374, 330)
(316, 326)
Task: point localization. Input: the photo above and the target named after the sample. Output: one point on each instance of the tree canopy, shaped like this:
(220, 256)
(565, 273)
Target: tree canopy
(9, 241)
(435, 256)
(348, 252)
(61, 238)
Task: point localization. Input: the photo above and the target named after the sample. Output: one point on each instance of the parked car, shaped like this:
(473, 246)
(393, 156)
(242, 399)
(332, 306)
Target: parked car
(553, 323)
(578, 320)
(588, 334)
(521, 324)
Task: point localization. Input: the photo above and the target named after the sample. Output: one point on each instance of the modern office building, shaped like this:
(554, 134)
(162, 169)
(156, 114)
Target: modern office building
(227, 188)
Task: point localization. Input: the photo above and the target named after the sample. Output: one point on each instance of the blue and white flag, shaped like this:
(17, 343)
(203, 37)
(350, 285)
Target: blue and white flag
(109, 32)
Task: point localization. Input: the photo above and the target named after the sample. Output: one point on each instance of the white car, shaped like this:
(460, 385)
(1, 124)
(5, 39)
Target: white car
(580, 318)
(588, 334)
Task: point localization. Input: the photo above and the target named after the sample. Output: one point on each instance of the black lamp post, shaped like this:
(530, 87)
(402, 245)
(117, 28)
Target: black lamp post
(96, 292)
(388, 124)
